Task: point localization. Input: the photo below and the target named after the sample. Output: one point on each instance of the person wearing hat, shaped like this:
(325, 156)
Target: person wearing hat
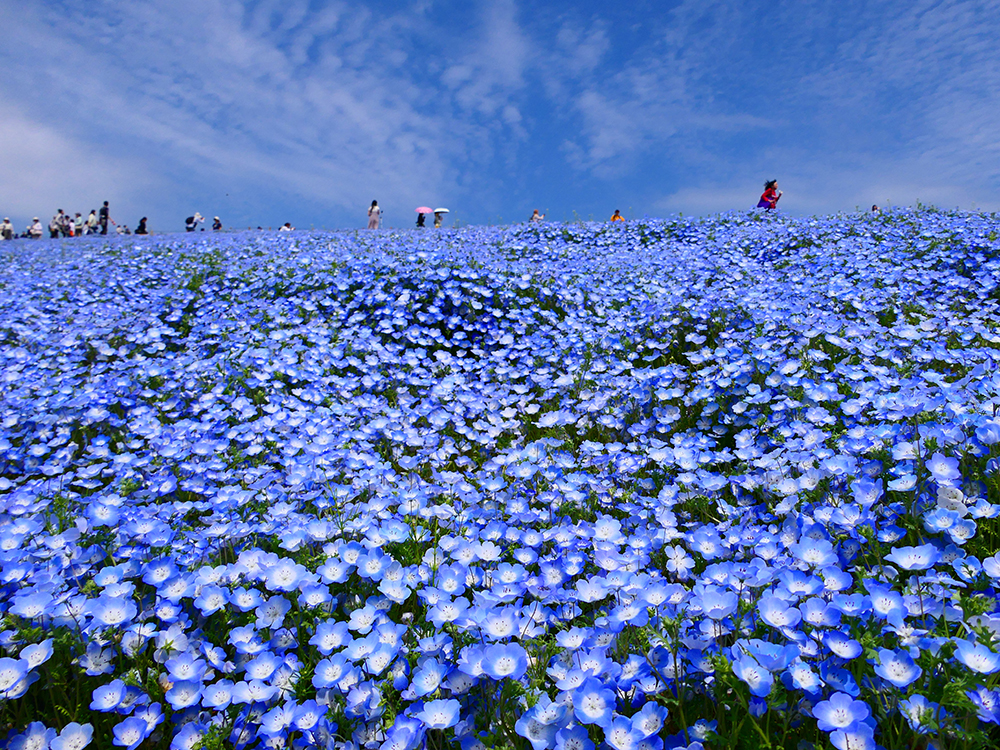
(7, 229)
(191, 222)
(35, 229)
(216, 224)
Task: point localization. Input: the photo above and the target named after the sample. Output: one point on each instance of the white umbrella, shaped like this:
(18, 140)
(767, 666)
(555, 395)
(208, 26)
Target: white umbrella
(441, 210)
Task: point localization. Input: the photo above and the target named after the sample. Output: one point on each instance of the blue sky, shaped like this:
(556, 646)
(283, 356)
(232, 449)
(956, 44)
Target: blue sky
(305, 110)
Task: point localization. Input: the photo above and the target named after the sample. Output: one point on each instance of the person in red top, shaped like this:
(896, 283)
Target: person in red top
(769, 199)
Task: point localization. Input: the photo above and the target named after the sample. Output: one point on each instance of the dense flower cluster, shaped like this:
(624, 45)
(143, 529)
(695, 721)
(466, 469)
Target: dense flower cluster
(655, 485)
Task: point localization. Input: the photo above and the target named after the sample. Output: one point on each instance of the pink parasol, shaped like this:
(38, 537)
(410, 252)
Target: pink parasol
(424, 210)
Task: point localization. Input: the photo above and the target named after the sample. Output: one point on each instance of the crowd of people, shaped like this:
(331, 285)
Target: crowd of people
(98, 221)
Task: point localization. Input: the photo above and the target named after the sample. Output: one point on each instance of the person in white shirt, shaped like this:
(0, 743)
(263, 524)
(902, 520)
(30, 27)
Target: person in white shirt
(374, 215)
(35, 229)
(7, 229)
(286, 227)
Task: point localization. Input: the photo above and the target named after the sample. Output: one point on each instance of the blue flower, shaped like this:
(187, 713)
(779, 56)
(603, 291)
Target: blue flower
(758, 679)
(922, 715)
(977, 657)
(108, 697)
(73, 736)
(505, 660)
(593, 703)
(840, 711)
(915, 558)
(860, 736)
(130, 733)
(439, 714)
(897, 667)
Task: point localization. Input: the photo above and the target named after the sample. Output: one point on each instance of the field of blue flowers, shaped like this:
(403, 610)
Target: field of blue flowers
(729, 482)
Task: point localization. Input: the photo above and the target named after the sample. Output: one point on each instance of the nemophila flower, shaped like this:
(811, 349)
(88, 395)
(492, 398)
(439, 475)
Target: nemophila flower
(35, 737)
(447, 611)
(277, 720)
(185, 666)
(943, 468)
(36, 654)
(621, 735)
(922, 715)
(13, 676)
(650, 719)
(977, 657)
(184, 693)
(263, 666)
(363, 619)
(112, 611)
(886, 603)
(505, 660)
(717, 603)
(860, 736)
(840, 711)
(573, 738)
(217, 695)
(800, 676)
(758, 679)
(284, 576)
(842, 645)
(817, 553)
(897, 667)
(987, 703)
(819, 613)
(31, 604)
(428, 676)
(73, 736)
(246, 599)
(152, 715)
(593, 703)
(439, 714)
(852, 605)
(914, 558)
(130, 733)
(211, 600)
(777, 613)
(538, 733)
(330, 635)
(329, 672)
(254, 691)
(272, 613)
(108, 697)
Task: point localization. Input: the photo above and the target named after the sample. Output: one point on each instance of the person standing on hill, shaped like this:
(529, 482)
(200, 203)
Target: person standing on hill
(7, 229)
(769, 198)
(105, 217)
(536, 217)
(617, 216)
(216, 224)
(374, 215)
(92, 222)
